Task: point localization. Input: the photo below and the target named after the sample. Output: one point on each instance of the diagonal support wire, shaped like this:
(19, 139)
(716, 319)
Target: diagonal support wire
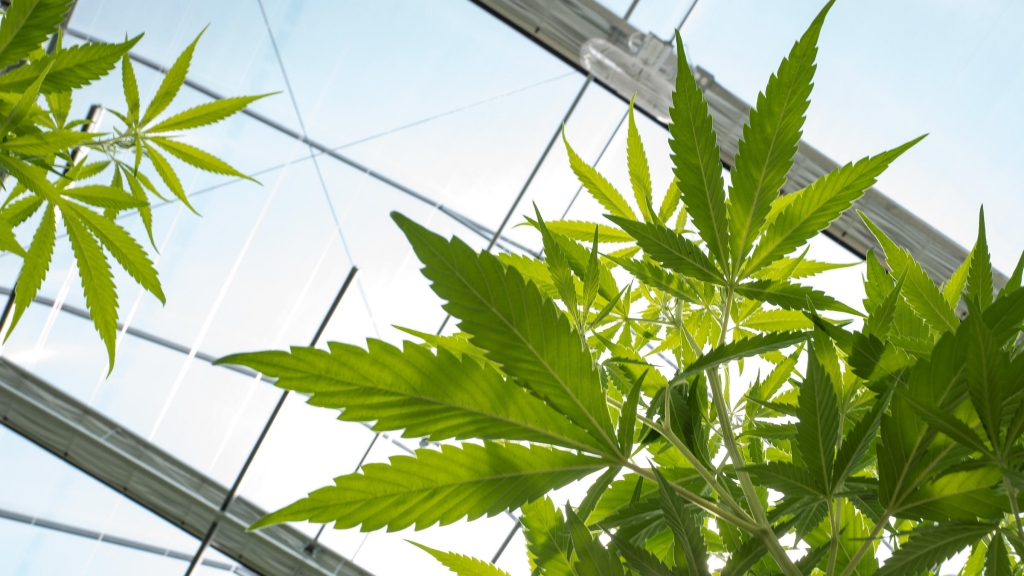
(323, 149)
(529, 179)
(197, 559)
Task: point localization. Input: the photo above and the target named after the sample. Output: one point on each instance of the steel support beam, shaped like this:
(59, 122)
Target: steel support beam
(146, 474)
(117, 541)
(562, 26)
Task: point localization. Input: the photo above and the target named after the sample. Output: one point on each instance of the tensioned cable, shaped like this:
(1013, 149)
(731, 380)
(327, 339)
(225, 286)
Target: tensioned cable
(473, 226)
(687, 16)
(115, 540)
(197, 559)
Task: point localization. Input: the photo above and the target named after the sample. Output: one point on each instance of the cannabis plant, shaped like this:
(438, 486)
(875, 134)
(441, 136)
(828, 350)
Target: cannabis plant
(42, 152)
(902, 429)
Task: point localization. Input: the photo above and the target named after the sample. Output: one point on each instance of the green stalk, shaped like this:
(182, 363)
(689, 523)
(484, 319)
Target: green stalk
(855, 560)
(703, 503)
(1011, 493)
(893, 505)
(833, 548)
(700, 468)
(694, 461)
(768, 536)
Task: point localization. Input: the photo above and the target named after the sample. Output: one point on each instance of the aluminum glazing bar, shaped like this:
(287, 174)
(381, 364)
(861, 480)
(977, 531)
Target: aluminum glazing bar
(562, 26)
(153, 478)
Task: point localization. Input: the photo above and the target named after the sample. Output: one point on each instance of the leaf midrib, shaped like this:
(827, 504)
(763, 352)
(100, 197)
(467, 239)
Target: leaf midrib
(759, 189)
(656, 239)
(698, 95)
(477, 480)
(459, 407)
(525, 342)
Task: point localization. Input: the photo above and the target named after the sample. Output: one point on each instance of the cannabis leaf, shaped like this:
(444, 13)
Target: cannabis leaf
(520, 328)
(769, 143)
(462, 565)
(439, 487)
(928, 546)
(426, 395)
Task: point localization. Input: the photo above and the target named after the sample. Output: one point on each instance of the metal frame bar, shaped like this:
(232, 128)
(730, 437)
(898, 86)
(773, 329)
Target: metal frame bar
(128, 463)
(561, 27)
(233, 492)
(116, 540)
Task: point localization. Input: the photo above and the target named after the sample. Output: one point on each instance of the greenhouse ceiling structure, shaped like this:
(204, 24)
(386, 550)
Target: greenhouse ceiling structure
(450, 112)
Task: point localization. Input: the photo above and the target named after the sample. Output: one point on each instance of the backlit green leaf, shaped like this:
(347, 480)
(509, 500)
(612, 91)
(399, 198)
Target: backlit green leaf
(593, 559)
(97, 281)
(584, 231)
(69, 68)
(979, 277)
(997, 563)
(657, 277)
(131, 87)
(104, 197)
(672, 250)
(639, 172)
(204, 114)
(163, 168)
(462, 565)
(46, 143)
(812, 209)
(967, 494)
(817, 427)
(597, 185)
(195, 157)
(426, 395)
(954, 288)
(640, 560)
(520, 328)
(758, 344)
(171, 83)
(37, 263)
(670, 201)
(769, 143)
(928, 546)
(26, 25)
(697, 161)
(685, 522)
(789, 479)
(547, 538)
(791, 296)
(128, 253)
(439, 487)
(920, 291)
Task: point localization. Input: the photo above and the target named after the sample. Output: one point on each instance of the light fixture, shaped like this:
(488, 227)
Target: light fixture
(648, 70)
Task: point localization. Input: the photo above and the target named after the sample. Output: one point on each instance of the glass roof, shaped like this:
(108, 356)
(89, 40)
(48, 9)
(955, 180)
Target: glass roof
(442, 112)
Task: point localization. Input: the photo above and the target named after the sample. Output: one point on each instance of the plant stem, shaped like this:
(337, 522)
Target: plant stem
(833, 548)
(698, 466)
(1011, 493)
(855, 560)
(725, 422)
(768, 536)
(771, 541)
(703, 503)
(650, 321)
